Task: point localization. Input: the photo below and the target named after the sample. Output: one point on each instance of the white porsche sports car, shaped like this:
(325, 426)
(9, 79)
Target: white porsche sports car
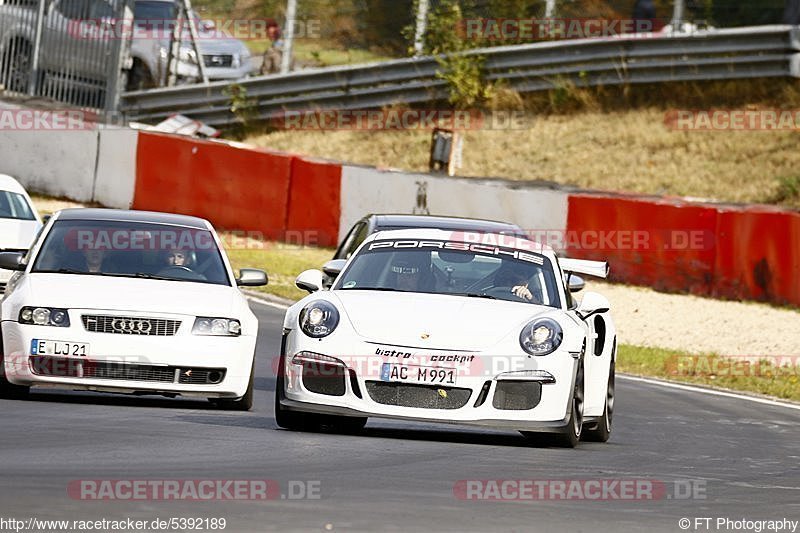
(128, 302)
(441, 326)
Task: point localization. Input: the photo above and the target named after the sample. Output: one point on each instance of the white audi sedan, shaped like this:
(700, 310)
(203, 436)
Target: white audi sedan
(19, 221)
(129, 302)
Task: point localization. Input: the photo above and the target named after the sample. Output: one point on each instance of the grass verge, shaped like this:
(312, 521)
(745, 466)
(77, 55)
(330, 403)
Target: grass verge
(283, 262)
(772, 376)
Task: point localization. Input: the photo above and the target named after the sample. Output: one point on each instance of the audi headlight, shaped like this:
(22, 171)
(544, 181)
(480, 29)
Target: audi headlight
(44, 316)
(217, 327)
(541, 337)
(319, 319)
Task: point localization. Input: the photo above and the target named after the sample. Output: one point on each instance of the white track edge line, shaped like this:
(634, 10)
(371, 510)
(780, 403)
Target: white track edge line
(713, 392)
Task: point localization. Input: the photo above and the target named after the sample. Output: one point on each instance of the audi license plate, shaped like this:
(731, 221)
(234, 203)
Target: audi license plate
(63, 348)
(425, 375)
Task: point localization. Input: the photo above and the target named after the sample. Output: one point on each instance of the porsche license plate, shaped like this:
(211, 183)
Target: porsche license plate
(425, 375)
(62, 348)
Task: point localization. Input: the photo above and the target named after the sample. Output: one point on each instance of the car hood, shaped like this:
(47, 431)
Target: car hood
(129, 294)
(17, 234)
(451, 322)
(213, 44)
(217, 45)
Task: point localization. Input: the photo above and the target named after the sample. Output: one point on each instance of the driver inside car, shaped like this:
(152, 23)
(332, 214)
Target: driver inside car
(181, 263)
(413, 273)
(515, 279)
(180, 258)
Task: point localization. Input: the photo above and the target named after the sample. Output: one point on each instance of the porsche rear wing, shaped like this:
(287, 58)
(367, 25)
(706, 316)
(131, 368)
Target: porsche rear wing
(598, 269)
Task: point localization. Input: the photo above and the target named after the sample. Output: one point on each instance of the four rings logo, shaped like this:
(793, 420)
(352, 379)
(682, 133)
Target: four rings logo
(121, 325)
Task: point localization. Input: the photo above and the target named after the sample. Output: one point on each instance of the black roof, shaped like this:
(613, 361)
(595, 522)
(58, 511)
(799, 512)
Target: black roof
(384, 222)
(123, 215)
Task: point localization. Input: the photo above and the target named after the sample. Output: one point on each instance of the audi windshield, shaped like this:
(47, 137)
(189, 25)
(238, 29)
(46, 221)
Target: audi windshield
(132, 249)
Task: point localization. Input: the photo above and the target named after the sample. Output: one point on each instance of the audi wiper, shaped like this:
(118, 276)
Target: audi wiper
(148, 275)
(68, 271)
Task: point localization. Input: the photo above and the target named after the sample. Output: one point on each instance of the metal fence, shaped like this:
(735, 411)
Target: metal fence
(766, 51)
(70, 51)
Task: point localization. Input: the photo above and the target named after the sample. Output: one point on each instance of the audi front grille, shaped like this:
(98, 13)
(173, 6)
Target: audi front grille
(128, 325)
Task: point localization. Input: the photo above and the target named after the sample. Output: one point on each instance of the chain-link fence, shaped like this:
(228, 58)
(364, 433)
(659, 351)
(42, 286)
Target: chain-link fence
(70, 51)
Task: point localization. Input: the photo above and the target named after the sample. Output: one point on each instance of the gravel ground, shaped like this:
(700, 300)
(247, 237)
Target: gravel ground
(692, 324)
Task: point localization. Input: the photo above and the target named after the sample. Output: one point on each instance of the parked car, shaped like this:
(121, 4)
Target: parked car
(224, 57)
(477, 329)
(19, 222)
(78, 36)
(129, 302)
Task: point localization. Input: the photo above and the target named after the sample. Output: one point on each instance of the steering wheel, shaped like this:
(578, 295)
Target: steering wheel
(181, 272)
(175, 268)
(502, 293)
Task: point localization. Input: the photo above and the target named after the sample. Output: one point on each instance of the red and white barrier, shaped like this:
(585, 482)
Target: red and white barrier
(747, 252)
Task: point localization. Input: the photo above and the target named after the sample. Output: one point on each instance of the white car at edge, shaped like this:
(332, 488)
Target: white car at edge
(441, 326)
(129, 302)
(19, 221)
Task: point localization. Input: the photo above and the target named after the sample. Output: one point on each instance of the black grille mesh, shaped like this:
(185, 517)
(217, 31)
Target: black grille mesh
(423, 396)
(81, 368)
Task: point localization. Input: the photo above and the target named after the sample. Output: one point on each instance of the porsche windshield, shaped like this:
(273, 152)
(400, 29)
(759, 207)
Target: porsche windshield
(132, 249)
(441, 267)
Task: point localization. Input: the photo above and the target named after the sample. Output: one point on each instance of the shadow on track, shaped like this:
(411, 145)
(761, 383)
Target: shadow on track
(122, 400)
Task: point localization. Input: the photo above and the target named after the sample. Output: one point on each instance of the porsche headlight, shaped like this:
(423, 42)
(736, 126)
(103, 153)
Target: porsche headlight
(44, 316)
(541, 337)
(319, 319)
(217, 327)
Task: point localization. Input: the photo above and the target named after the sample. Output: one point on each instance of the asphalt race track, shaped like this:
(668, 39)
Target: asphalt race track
(708, 457)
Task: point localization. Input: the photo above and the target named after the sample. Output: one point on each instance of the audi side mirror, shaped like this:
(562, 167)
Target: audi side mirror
(13, 261)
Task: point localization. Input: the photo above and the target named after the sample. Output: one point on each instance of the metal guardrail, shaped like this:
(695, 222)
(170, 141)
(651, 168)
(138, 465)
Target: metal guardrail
(756, 52)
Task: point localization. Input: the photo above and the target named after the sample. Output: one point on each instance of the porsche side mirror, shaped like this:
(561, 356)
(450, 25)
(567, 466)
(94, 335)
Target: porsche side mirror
(576, 283)
(250, 277)
(13, 261)
(310, 280)
(592, 304)
(334, 267)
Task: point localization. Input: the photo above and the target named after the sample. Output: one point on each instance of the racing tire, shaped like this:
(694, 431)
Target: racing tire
(245, 403)
(8, 391)
(602, 430)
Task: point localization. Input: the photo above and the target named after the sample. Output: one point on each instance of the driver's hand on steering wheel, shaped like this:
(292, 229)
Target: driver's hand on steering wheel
(522, 291)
